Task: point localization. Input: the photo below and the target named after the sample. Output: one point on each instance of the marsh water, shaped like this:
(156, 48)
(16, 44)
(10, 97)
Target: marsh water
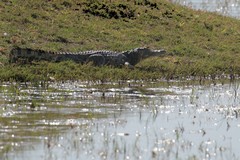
(225, 7)
(130, 120)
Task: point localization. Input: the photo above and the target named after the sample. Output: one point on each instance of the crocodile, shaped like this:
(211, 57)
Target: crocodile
(97, 57)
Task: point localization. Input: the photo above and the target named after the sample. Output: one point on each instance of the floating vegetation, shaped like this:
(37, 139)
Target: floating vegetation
(130, 120)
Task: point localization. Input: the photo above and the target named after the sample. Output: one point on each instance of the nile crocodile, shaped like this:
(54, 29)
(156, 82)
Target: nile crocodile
(98, 57)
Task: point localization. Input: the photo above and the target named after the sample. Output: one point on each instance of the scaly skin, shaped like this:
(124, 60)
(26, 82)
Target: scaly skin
(136, 55)
(98, 58)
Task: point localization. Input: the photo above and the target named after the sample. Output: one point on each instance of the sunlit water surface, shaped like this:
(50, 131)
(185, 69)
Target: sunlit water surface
(112, 121)
(225, 7)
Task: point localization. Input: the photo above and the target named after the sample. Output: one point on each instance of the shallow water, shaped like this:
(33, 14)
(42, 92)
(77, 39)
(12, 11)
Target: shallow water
(225, 7)
(117, 121)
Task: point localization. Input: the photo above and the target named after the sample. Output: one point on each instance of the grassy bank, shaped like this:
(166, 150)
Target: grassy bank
(198, 43)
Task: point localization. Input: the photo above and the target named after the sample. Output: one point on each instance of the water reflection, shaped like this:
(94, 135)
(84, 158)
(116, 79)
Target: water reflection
(144, 121)
(225, 7)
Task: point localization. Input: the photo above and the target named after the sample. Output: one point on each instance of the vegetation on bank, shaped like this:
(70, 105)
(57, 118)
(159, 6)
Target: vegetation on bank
(198, 43)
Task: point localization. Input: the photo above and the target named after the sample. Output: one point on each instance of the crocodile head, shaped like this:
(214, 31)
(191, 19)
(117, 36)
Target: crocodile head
(146, 52)
(136, 55)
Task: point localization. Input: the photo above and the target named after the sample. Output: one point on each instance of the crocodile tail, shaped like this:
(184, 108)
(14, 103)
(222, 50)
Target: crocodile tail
(27, 55)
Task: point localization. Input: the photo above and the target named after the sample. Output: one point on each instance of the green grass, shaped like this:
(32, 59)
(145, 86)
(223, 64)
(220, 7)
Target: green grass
(198, 43)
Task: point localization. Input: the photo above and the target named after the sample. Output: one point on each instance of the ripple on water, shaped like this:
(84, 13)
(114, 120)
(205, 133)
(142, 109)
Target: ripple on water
(229, 8)
(80, 121)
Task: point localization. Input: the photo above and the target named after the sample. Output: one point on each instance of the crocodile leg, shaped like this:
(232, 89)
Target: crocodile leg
(96, 59)
(121, 60)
